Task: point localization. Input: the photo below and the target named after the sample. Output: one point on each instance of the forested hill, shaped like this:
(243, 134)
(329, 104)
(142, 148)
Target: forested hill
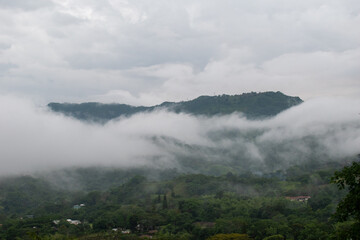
(252, 105)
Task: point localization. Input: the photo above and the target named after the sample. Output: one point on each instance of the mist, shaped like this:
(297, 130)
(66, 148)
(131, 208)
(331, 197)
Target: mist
(35, 139)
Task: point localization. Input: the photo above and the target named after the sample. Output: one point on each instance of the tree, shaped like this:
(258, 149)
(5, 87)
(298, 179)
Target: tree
(232, 236)
(349, 208)
(349, 178)
(165, 205)
(133, 222)
(345, 230)
(275, 237)
(314, 230)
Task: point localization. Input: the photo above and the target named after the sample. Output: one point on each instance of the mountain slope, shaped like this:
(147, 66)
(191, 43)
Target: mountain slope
(252, 105)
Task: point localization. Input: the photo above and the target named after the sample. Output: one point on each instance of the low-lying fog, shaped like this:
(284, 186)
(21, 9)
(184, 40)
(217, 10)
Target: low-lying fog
(34, 139)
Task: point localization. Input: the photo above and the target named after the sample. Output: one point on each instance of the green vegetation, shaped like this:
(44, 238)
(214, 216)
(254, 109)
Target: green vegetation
(252, 105)
(348, 210)
(181, 206)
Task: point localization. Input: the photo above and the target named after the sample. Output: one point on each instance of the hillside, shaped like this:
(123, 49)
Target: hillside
(191, 206)
(252, 105)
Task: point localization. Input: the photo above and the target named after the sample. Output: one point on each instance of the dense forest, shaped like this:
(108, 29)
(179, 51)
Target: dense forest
(297, 203)
(252, 105)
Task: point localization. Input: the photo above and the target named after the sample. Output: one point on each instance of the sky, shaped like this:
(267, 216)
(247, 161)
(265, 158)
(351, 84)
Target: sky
(144, 52)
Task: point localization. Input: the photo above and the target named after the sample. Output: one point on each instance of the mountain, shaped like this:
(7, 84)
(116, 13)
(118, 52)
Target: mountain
(252, 105)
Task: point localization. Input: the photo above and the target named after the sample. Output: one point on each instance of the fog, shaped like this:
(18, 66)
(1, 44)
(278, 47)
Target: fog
(34, 139)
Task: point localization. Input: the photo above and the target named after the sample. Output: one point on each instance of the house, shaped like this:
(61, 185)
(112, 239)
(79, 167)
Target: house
(78, 206)
(299, 198)
(56, 222)
(74, 222)
(127, 231)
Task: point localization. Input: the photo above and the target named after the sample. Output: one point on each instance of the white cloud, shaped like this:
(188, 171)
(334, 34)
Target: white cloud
(35, 139)
(77, 50)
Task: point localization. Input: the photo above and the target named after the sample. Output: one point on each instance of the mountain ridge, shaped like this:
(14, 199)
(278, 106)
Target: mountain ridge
(253, 105)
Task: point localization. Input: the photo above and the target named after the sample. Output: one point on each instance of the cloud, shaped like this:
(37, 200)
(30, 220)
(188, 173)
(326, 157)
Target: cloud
(312, 74)
(6, 66)
(34, 139)
(78, 50)
(25, 5)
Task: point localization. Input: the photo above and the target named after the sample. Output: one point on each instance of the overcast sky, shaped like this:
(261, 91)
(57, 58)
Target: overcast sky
(145, 52)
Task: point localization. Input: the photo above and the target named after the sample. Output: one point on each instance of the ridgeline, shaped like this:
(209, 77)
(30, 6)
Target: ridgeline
(252, 105)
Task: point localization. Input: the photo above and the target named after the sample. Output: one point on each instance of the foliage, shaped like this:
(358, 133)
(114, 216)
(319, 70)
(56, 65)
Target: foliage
(275, 237)
(346, 230)
(349, 178)
(349, 207)
(192, 206)
(232, 236)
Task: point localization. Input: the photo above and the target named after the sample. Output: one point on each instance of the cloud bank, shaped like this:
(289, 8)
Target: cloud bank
(34, 139)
